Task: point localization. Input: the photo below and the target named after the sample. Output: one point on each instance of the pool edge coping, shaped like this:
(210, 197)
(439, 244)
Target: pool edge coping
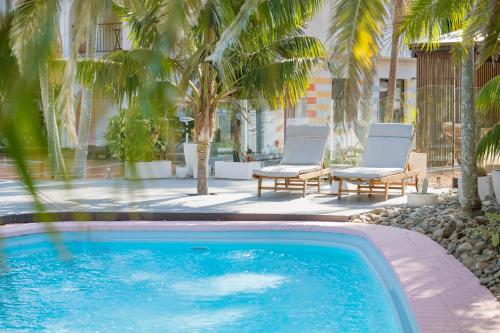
(443, 294)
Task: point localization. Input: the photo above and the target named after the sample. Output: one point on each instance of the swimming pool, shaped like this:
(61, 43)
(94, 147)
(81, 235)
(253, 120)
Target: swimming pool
(252, 281)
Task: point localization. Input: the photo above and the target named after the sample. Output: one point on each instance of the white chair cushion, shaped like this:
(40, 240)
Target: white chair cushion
(283, 170)
(387, 146)
(395, 130)
(305, 145)
(366, 173)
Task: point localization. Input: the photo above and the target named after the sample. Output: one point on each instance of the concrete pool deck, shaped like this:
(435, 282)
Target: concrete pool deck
(443, 294)
(173, 196)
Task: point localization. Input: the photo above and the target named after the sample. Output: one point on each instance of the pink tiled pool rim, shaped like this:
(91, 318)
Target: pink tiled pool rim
(443, 294)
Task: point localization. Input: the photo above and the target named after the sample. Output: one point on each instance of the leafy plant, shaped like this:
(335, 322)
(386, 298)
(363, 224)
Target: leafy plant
(494, 228)
(135, 137)
(491, 230)
(487, 102)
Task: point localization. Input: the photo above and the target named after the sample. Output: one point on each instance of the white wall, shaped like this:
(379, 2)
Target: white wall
(6, 5)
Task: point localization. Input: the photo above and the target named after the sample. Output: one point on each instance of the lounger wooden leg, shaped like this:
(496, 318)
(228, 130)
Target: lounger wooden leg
(386, 191)
(416, 183)
(403, 187)
(359, 189)
(304, 188)
(339, 189)
(275, 184)
(259, 187)
(319, 185)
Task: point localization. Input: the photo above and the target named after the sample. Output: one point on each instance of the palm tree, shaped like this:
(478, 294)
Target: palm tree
(468, 131)
(357, 26)
(220, 53)
(34, 27)
(429, 18)
(81, 151)
(85, 27)
(265, 54)
(398, 7)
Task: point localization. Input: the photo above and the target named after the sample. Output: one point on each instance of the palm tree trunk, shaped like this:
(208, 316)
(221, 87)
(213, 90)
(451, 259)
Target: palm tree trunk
(471, 199)
(235, 136)
(393, 67)
(202, 183)
(56, 160)
(80, 160)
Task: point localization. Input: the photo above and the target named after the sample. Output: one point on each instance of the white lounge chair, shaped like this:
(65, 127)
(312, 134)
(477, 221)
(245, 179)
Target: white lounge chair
(384, 164)
(302, 162)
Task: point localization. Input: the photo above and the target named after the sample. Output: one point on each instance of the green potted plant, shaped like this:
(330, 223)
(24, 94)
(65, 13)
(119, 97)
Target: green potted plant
(141, 142)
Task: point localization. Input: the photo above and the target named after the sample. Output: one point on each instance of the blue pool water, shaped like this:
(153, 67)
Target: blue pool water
(198, 282)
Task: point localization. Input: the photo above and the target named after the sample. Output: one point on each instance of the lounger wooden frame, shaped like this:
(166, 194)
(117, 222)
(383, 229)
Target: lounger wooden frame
(380, 185)
(295, 183)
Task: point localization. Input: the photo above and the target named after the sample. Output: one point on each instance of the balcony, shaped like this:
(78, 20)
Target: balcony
(109, 37)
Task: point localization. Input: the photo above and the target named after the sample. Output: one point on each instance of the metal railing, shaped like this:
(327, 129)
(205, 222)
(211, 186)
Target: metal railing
(109, 37)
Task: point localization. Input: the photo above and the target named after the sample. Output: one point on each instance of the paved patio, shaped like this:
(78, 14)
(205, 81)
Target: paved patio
(176, 196)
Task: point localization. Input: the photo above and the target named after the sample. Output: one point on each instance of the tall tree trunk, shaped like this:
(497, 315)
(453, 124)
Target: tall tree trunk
(202, 182)
(471, 199)
(80, 160)
(235, 135)
(204, 122)
(397, 7)
(56, 160)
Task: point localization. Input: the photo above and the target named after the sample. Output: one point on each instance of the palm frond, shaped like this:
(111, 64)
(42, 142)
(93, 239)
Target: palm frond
(175, 17)
(356, 30)
(484, 21)
(232, 33)
(33, 32)
(283, 16)
(87, 12)
(488, 147)
(488, 98)
(427, 20)
(142, 17)
(65, 101)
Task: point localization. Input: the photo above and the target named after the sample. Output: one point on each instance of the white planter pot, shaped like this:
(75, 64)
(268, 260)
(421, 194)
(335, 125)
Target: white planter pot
(495, 176)
(191, 158)
(235, 170)
(181, 172)
(484, 187)
(148, 170)
(417, 199)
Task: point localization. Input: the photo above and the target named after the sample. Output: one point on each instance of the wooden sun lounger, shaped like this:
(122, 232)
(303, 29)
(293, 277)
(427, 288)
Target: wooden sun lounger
(385, 162)
(295, 183)
(380, 185)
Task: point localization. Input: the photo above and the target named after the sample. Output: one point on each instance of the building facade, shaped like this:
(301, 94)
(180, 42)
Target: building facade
(262, 132)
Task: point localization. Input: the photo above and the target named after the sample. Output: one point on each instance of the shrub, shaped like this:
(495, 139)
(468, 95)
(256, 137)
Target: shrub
(132, 136)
